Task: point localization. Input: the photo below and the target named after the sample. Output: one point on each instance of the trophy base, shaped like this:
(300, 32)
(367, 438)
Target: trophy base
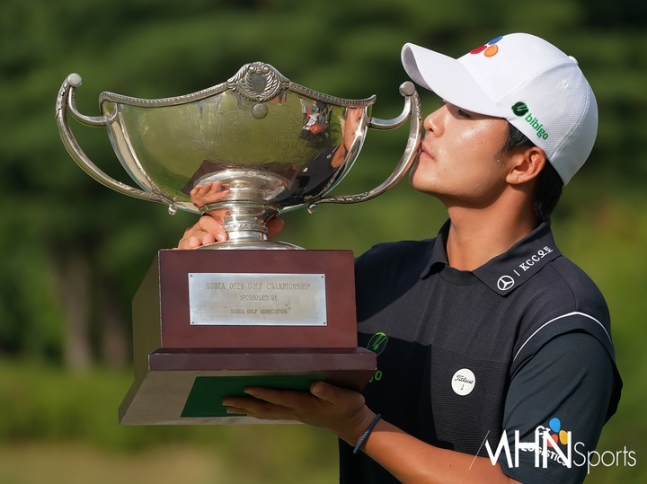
(247, 244)
(208, 323)
(186, 386)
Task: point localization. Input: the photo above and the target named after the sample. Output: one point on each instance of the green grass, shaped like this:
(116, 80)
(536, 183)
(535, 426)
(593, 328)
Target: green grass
(56, 423)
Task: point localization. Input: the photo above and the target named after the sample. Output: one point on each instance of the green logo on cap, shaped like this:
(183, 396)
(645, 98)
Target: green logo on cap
(521, 109)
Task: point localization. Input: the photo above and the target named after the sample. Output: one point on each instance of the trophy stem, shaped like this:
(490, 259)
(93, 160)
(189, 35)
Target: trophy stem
(246, 224)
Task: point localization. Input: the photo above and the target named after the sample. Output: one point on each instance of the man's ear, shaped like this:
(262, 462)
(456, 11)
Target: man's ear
(526, 163)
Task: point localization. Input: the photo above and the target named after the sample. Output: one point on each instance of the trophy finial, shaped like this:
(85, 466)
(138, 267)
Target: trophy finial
(258, 82)
(74, 80)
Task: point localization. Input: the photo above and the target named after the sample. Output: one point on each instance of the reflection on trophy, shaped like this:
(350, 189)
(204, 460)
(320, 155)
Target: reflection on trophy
(208, 323)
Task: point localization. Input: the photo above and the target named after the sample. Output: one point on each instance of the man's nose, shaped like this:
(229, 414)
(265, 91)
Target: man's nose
(433, 122)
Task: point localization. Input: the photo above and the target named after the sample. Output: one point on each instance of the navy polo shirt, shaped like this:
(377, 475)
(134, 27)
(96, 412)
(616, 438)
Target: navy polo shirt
(470, 360)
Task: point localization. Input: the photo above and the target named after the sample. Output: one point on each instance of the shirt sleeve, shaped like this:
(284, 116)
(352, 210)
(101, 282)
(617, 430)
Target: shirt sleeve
(558, 399)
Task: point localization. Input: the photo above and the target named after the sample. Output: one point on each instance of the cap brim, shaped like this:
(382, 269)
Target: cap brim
(448, 78)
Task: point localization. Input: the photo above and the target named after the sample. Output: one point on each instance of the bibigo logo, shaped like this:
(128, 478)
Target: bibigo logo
(521, 109)
(377, 344)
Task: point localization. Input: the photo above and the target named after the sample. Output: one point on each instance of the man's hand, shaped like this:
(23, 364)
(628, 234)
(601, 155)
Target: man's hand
(210, 192)
(210, 229)
(327, 406)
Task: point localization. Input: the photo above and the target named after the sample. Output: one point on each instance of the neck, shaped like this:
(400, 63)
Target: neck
(477, 235)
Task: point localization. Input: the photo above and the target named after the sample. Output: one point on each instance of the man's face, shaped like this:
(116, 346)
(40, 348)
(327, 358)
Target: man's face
(460, 161)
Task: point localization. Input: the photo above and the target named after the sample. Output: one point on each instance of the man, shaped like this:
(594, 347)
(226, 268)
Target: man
(494, 350)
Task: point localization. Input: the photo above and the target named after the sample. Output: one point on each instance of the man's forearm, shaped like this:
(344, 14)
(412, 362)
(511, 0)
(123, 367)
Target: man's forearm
(412, 461)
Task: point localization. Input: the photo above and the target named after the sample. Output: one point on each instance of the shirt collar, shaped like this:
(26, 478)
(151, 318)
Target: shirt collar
(505, 272)
(438, 255)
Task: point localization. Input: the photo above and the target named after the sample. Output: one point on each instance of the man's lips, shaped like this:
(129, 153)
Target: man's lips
(424, 153)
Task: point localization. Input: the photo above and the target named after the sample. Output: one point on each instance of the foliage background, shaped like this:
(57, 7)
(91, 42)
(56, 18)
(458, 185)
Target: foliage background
(73, 252)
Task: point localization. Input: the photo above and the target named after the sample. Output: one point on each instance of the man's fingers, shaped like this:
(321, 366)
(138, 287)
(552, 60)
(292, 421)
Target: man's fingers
(208, 192)
(195, 238)
(274, 226)
(241, 411)
(189, 241)
(207, 230)
(208, 239)
(193, 242)
(212, 227)
(283, 398)
(256, 408)
(322, 390)
(217, 191)
(336, 395)
(292, 399)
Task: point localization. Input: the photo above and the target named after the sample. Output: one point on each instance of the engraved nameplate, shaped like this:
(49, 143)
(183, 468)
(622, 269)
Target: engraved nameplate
(257, 299)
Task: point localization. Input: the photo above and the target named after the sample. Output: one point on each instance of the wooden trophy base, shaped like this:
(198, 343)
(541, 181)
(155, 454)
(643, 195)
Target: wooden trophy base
(207, 324)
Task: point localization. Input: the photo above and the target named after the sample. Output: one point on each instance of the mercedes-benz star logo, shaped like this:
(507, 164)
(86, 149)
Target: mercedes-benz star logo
(505, 282)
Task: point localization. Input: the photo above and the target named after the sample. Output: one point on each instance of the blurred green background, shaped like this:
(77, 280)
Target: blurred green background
(74, 252)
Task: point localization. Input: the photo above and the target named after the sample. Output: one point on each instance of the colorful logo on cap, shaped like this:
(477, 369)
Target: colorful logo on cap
(490, 49)
(560, 436)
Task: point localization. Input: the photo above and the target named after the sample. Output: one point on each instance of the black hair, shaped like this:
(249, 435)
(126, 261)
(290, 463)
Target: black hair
(548, 189)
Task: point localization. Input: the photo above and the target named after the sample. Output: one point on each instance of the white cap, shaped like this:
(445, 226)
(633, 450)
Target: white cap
(524, 79)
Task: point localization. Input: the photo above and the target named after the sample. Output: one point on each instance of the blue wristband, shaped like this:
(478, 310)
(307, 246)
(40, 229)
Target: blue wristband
(366, 434)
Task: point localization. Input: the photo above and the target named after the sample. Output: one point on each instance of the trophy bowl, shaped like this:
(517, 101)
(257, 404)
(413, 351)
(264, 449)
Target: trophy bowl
(268, 145)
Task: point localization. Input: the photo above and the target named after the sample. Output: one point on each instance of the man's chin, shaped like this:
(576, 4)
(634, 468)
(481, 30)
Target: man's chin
(412, 171)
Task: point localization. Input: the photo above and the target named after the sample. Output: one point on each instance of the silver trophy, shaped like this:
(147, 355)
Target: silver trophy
(274, 145)
(208, 323)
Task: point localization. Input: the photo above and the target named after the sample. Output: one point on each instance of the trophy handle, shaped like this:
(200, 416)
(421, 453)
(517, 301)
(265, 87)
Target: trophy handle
(65, 103)
(412, 109)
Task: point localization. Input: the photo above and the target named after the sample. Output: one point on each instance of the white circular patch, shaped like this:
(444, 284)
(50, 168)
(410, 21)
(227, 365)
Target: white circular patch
(463, 382)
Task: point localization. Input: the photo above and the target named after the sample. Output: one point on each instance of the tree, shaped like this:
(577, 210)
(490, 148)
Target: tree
(74, 252)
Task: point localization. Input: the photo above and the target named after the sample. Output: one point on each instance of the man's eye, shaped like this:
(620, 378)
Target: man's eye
(463, 114)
